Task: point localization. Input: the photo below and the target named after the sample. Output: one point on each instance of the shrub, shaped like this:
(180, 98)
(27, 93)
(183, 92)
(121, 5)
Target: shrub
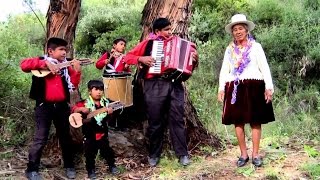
(97, 30)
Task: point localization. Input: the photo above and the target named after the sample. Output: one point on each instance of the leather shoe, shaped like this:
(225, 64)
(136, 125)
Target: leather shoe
(92, 174)
(257, 161)
(184, 160)
(242, 161)
(153, 161)
(71, 173)
(33, 175)
(114, 170)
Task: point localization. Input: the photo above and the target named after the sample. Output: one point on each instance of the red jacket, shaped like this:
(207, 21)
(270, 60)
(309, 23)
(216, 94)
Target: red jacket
(118, 64)
(132, 56)
(54, 90)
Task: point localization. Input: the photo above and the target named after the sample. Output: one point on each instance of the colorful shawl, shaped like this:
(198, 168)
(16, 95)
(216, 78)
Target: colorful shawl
(240, 60)
(91, 105)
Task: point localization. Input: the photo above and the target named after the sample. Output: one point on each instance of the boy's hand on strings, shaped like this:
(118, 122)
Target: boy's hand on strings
(109, 110)
(147, 60)
(52, 67)
(76, 65)
(83, 110)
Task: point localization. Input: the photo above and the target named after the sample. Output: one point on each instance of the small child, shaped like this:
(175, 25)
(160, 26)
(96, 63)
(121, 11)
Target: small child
(96, 131)
(113, 60)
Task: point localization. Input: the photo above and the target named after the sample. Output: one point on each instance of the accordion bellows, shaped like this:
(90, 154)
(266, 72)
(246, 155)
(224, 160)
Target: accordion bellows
(174, 58)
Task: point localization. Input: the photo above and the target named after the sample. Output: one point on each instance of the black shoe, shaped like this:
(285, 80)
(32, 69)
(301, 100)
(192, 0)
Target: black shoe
(33, 175)
(92, 174)
(257, 161)
(114, 170)
(71, 173)
(184, 160)
(153, 161)
(241, 161)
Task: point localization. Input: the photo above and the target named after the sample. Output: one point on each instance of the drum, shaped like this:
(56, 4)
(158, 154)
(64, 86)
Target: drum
(118, 87)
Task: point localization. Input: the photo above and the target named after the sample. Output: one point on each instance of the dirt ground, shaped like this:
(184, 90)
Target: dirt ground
(281, 162)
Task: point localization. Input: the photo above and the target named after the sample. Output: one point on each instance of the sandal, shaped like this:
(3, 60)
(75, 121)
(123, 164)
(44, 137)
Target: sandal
(242, 161)
(257, 161)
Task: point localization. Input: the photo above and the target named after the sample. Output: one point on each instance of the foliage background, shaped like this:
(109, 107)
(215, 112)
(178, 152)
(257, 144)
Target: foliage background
(287, 29)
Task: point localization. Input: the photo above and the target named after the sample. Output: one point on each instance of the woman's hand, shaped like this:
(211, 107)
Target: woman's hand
(221, 96)
(268, 95)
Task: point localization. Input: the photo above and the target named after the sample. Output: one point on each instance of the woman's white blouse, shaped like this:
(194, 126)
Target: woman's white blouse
(257, 68)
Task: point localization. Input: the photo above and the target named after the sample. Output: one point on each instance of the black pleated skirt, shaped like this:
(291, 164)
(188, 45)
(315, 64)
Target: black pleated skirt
(250, 106)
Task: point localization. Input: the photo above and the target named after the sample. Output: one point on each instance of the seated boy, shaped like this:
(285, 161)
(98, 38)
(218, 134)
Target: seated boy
(96, 131)
(113, 61)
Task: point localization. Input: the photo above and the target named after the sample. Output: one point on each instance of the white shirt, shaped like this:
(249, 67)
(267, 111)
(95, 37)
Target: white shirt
(257, 68)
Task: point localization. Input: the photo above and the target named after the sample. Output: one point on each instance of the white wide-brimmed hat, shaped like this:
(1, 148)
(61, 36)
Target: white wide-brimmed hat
(239, 19)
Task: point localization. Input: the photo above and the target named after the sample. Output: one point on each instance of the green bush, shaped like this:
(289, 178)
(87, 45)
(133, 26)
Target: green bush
(97, 30)
(266, 13)
(21, 36)
(210, 17)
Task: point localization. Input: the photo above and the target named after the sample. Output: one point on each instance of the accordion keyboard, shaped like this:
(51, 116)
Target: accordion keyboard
(158, 54)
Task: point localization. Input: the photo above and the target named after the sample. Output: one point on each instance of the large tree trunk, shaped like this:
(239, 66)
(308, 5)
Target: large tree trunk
(62, 19)
(179, 13)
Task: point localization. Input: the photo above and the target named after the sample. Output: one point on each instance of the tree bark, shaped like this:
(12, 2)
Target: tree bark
(62, 19)
(179, 13)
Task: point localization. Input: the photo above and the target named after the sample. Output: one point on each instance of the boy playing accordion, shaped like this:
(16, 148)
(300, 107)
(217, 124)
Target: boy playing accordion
(163, 98)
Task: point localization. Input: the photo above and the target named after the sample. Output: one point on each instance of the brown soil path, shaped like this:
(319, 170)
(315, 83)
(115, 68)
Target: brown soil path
(279, 163)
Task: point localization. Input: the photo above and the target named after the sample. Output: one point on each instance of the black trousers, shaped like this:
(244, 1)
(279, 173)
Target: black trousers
(164, 102)
(91, 147)
(45, 113)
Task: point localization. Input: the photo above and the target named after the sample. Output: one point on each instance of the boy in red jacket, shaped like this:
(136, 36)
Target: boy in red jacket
(163, 97)
(52, 95)
(96, 130)
(113, 61)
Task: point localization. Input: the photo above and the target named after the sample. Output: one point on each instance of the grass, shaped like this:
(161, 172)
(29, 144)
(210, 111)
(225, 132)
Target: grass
(313, 169)
(296, 115)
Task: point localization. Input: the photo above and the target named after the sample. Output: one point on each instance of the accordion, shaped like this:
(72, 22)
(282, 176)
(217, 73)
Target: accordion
(174, 58)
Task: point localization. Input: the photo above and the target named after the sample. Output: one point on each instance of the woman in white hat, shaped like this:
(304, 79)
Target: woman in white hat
(245, 87)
